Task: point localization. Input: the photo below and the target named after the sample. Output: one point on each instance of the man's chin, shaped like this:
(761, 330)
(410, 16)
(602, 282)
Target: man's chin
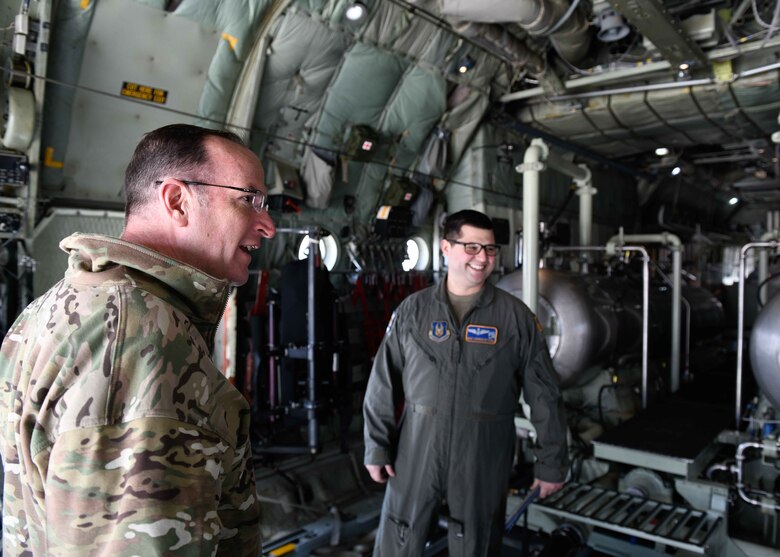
(238, 281)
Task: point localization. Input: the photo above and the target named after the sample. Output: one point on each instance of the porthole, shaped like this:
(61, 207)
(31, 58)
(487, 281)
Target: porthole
(418, 254)
(329, 250)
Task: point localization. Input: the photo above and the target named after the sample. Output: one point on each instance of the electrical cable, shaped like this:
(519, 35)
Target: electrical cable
(757, 16)
(444, 24)
(773, 25)
(563, 205)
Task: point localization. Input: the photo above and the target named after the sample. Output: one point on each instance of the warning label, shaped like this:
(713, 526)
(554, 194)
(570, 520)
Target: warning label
(144, 92)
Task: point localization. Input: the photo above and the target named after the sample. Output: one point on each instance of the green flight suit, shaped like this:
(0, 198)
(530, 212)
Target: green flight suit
(455, 439)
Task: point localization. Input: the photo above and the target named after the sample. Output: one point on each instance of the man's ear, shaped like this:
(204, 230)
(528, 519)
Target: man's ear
(445, 247)
(175, 199)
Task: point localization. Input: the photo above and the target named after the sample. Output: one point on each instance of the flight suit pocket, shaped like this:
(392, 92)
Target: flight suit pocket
(421, 374)
(495, 388)
(399, 527)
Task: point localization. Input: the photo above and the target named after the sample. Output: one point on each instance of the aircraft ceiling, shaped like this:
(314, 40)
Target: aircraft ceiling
(452, 90)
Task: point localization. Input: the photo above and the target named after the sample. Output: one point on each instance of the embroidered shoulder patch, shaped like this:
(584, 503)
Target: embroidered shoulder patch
(481, 334)
(439, 331)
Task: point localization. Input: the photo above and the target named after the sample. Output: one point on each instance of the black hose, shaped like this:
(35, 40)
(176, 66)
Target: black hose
(562, 207)
(566, 541)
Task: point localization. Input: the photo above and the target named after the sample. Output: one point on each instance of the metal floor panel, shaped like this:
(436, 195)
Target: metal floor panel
(673, 436)
(664, 523)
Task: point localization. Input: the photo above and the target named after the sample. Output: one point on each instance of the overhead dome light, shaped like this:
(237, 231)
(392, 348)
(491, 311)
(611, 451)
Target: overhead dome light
(676, 170)
(613, 27)
(465, 64)
(356, 12)
(733, 201)
(662, 151)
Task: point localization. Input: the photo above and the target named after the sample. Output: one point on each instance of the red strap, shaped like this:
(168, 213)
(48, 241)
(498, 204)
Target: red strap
(260, 295)
(359, 295)
(291, 204)
(387, 286)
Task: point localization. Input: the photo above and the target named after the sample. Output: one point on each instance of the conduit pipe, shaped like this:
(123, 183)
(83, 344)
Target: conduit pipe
(533, 164)
(585, 192)
(558, 19)
(531, 168)
(741, 318)
(496, 40)
(763, 264)
(675, 244)
(769, 448)
(561, 20)
(650, 67)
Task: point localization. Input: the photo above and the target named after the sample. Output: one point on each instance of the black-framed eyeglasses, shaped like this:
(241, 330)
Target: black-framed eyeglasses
(258, 200)
(473, 248)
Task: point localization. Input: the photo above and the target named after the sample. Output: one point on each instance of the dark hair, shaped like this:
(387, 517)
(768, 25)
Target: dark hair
(177, 150)
(455, 222)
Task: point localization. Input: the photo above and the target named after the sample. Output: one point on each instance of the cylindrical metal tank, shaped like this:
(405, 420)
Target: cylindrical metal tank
(765, 350)
(591, 320)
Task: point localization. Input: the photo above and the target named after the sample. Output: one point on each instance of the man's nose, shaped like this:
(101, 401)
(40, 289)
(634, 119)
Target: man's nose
(265, 225)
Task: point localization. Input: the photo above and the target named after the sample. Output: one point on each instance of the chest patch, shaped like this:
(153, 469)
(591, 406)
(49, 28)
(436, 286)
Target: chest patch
(439, 331)
(481, 334)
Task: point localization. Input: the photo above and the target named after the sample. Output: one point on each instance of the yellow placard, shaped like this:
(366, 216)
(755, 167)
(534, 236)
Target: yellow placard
(144, 92)
(723, 71)
(48, 159)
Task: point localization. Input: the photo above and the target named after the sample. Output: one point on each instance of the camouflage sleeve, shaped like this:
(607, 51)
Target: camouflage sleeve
(152, 486)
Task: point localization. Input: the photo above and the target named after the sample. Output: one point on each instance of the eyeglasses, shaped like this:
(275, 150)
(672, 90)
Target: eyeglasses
(258, 199)
(473, 248)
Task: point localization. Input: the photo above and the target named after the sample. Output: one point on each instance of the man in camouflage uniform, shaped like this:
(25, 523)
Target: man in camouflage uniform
(458, 355)
(119, 436)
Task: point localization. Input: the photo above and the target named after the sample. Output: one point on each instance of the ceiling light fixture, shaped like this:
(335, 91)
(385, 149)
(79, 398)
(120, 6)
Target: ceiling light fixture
(733, 201)
(613, 26)
(465, 64)
(662, 151)
(676, 170)
(356, 12)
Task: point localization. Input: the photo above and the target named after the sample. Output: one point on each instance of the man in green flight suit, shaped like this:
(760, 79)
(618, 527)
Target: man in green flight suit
(119, 435)
(458, 355)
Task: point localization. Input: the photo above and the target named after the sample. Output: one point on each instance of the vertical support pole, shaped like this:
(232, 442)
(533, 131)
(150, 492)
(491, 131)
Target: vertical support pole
(531, 169)
(311, 352)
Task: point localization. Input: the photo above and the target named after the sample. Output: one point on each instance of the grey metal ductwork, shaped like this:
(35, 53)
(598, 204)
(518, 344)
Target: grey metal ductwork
(496, 39)
(562, 21)
(558, 19)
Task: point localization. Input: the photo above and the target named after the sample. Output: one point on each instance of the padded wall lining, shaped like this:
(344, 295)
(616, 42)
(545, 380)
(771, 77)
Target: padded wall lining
(704, 114)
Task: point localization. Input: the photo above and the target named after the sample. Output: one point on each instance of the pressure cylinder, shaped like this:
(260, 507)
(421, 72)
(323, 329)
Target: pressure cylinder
(765, 350)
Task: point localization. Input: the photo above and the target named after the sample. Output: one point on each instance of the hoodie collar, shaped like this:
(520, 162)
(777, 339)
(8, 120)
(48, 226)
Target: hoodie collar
(204, 295)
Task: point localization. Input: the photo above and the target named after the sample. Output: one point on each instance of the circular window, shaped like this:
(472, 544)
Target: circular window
(417, 255)
(329, 250)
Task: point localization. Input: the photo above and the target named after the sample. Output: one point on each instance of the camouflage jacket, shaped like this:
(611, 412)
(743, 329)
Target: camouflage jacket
(119, 436)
